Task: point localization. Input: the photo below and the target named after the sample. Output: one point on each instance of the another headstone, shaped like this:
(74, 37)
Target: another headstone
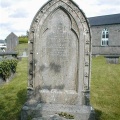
(24, 54)
(59, 64)
(112, 59)
(12, 41)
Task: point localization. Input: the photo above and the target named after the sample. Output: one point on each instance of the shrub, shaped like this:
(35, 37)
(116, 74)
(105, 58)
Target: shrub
(6, 67)
(23, 39)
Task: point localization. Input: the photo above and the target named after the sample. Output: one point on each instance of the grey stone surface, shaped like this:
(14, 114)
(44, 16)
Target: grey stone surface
(52, 117)
(8, 55)
(11, 41)
(114, 40)
(24, 54)
(59, 62)
(47, 111)
(112, 59)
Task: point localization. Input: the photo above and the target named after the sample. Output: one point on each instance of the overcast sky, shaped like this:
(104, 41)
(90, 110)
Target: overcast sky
(16, 15)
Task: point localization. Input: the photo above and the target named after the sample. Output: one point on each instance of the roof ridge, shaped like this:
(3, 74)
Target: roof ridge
(105, 20)
(105, 15)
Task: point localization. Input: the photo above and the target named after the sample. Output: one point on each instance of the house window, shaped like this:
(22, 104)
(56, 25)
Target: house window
(105, 38)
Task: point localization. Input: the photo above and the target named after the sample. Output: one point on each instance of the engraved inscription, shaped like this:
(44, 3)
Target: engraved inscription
(58, 43)
(58, 52)
(60, 49)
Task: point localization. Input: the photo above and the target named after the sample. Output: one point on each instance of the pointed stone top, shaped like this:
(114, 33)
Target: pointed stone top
(12, 34)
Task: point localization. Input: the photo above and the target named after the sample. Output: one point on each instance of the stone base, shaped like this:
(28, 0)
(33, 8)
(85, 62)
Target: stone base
(42, 111)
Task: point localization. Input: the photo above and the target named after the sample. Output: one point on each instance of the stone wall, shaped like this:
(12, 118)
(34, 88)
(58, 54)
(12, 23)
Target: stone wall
(114, 40)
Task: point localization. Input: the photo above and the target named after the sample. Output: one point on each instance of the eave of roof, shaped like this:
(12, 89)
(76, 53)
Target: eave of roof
(104, 20)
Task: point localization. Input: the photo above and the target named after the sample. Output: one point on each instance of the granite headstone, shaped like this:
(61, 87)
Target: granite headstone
(11, 41)
(59, 64)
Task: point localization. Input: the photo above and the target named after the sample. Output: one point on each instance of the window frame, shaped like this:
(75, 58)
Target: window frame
(105, 37)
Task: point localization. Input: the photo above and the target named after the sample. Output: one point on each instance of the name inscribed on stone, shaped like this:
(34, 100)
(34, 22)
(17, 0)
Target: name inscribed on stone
(58, 43)
(58, 53)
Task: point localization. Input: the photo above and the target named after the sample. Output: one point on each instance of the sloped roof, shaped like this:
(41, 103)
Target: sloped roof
(105, 20)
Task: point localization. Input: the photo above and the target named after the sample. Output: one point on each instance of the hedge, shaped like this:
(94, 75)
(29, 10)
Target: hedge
(23, 40)
(7, 67)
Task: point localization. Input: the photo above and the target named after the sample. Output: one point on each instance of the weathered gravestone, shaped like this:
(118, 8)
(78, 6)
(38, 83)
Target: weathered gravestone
(59, 64)
(24, 54)
(11, 41)
(112, 59)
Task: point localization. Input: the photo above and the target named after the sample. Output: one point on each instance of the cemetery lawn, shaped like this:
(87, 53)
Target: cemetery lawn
(105, 91)
(13, 94)
(21, 48)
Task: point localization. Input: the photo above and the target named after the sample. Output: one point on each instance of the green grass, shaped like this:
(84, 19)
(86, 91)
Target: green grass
(105, 91)
(21, 48)
(13, 94)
